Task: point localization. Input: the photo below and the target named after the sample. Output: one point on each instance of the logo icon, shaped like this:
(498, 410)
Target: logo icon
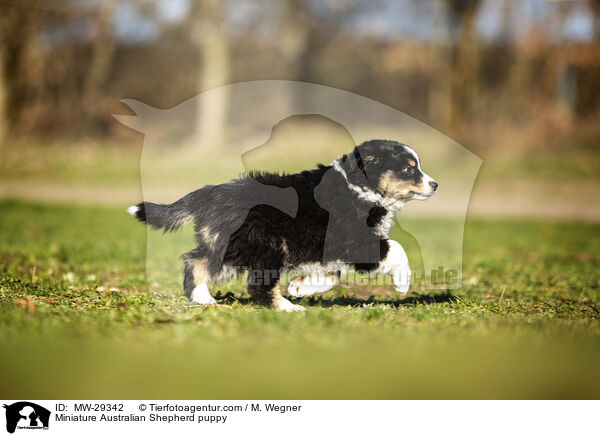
(26, 415)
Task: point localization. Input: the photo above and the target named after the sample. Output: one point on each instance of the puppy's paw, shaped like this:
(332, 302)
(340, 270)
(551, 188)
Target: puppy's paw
(285, 305)
(294, 288)
(201, 295)
(208, 302)
(293, 308)
(305, 286)
(403, 289)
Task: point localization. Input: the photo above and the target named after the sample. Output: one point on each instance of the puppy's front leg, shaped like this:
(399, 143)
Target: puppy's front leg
(396, 264)
(283, 304)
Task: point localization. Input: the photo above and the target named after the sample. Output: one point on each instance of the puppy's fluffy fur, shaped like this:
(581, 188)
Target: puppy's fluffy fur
(318, 220)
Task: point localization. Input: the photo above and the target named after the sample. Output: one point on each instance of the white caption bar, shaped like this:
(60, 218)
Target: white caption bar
(298, 417)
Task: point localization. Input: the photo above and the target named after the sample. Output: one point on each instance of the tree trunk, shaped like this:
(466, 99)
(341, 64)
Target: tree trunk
(211, 36)
(294, 42)
(102, 55)
(3, 94)
(440, 91)
(466, 67)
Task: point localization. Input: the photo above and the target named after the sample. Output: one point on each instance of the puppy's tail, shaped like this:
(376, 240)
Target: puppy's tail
(162, 216)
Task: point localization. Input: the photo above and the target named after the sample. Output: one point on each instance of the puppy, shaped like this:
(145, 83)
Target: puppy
(318, 222)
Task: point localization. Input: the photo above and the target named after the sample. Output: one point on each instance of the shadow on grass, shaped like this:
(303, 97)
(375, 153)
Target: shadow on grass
(412, 300)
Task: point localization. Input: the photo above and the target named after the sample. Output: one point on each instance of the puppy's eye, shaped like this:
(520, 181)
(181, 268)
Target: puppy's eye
(409, 170)
(372, 160)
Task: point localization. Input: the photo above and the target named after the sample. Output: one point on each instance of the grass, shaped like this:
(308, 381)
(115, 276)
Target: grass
(78, 320)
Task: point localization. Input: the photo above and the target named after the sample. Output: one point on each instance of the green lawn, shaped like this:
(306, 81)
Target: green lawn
(77, 321)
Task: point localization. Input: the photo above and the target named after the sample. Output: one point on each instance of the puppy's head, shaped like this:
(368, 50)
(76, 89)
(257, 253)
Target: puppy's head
(391, 169)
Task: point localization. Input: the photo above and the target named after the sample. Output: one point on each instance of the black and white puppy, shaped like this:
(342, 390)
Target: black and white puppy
(318, 222)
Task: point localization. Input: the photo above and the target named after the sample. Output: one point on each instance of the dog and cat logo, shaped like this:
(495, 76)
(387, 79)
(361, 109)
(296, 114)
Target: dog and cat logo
(26, 415)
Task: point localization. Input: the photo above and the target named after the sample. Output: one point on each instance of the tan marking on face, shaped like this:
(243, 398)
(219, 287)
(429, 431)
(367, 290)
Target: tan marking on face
(411, 162)
(200, 271)
(398, 188)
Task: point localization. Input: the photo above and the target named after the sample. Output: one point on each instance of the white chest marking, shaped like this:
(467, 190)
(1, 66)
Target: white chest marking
(392, 205)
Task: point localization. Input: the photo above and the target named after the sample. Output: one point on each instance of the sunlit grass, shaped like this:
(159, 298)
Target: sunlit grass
(76, 312)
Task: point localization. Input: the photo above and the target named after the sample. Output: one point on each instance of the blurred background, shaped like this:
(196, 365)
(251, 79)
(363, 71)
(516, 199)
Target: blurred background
(516, 82)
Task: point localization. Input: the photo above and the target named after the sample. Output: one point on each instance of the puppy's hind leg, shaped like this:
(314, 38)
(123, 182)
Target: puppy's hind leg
(195, 280)
(265, 290)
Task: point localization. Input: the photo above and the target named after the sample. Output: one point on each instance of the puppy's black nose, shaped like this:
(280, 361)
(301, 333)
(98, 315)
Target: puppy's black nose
(433, 185)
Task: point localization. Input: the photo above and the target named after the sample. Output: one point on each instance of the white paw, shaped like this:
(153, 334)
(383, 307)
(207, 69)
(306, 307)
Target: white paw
(294, 288)
(286, 305)
(310, 286)
(292, 308)
(210, 301)
(201, 295)
(403, 289)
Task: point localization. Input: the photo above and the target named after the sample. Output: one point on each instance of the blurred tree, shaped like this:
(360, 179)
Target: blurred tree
(17, 29)
(22, 66)
(464, 83)
(296, 35)
(456, 65)
(308, 27)
(66, 63)
(3, 89)
(102, 54)
(209, 31)
(440, 90)
(521, 68)
(298, 38)
(594, 6)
